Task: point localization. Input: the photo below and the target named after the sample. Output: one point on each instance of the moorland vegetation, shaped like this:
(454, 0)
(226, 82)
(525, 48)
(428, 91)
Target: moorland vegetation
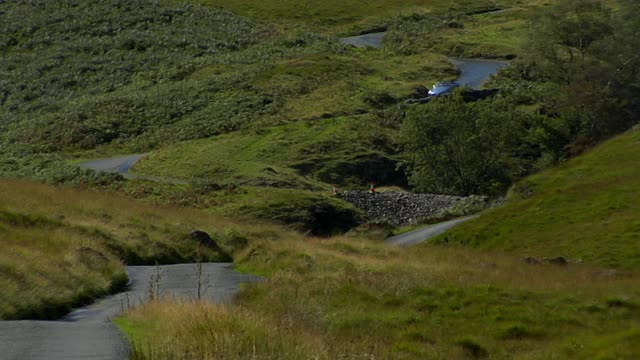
(259, 108)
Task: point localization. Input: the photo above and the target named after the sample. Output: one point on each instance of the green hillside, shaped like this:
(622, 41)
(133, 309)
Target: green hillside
(341, 150)
(338, 15)
(62, 247)
(587, 209)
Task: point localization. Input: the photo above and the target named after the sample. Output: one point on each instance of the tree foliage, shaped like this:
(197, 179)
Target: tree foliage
(590, 52)
(460, 148)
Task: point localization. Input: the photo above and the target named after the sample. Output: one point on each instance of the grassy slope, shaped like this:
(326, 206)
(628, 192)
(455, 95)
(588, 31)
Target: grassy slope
(48, 266)
(341, 150)
(351, 298)
(128, 87)
(64, 246)
(586, 209)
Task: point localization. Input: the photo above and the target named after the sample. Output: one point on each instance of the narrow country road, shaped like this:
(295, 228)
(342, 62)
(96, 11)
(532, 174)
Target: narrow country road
(367, 40)
(426, 233)
(119, 165)
(88, 333)
(473, 72)
(122, 165)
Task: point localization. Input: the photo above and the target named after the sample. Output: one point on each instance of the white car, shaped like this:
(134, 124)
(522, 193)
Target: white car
(443, 87)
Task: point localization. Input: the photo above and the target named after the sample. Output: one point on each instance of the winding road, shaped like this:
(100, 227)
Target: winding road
(122, 165)
(423, 234)
(119, 165)
(473, 72)
(88, 333)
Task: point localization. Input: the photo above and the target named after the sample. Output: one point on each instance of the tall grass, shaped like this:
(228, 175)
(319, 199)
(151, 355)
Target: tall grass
(48, 267)
(359, 299)
(200, 330)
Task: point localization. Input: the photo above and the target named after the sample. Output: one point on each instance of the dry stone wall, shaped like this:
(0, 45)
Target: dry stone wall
(398, 208)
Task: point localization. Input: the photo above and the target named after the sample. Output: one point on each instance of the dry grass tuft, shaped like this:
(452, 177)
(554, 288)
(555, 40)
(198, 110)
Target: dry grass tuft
(200, 330)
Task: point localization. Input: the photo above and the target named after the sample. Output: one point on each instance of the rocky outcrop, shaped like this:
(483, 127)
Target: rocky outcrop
(398, 208)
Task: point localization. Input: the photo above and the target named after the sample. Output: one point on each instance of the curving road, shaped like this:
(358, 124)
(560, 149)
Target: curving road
(473, 72)
(122, 165)
(368, 40)
(426, 233)
(118, 165)
(88, 333)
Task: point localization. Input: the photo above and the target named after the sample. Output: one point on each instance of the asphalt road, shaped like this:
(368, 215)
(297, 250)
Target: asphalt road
(119, 165)
(426, 233)
(367, 40)
(475, 72)
(88, 333)
(122, 165)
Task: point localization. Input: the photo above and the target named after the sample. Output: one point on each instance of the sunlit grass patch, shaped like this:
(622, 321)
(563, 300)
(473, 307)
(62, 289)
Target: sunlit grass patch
(47, 267)
(191, 330)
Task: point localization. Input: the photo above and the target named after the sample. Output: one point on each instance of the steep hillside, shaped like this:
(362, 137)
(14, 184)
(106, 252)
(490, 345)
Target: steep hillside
(47, 266)
(587, 209)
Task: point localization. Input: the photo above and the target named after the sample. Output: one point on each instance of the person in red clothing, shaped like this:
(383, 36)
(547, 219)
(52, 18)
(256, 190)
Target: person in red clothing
(373, 187)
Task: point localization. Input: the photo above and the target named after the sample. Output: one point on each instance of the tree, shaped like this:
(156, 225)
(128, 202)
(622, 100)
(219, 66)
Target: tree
(565, 37)
(591, 52)
(459, 148)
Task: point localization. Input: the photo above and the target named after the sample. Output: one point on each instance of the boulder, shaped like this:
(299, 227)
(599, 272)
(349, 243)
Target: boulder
(203, 238)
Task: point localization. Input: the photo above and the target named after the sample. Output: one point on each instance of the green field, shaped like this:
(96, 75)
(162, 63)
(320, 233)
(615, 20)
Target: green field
(344, 15)
(304, 155)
